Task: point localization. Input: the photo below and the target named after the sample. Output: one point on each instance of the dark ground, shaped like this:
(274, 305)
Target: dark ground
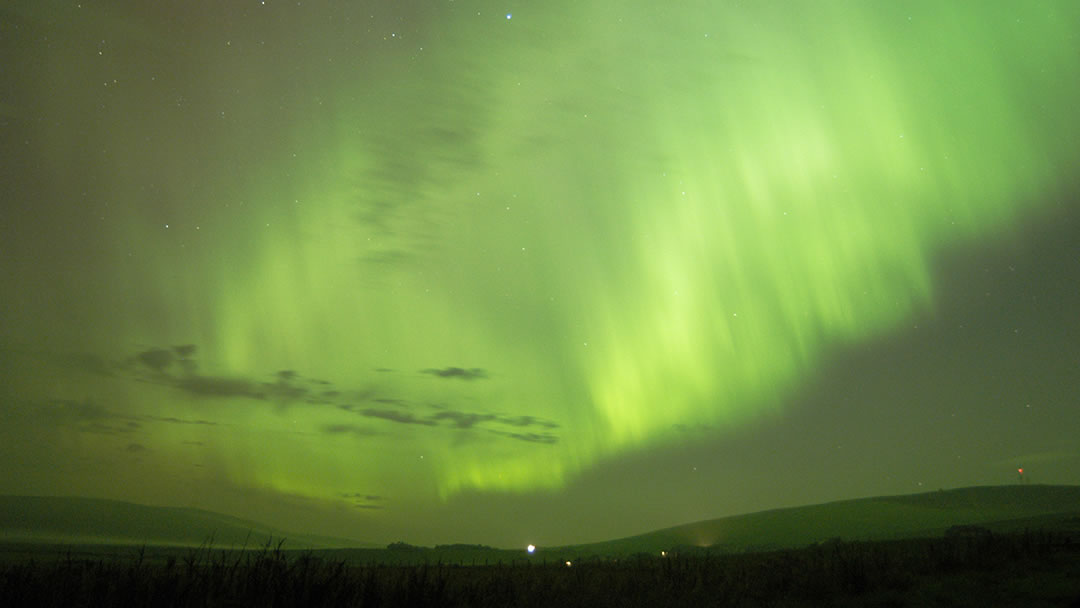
(972, 567)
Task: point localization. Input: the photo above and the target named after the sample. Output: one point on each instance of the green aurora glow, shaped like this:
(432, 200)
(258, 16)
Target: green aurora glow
(536, 246)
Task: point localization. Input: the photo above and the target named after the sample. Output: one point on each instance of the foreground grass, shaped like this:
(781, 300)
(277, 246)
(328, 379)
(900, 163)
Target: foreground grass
(1022, 569)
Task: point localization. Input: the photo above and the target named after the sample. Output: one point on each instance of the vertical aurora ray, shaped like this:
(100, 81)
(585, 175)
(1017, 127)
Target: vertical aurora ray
(668, 229)
(631, 221)
(732, 214)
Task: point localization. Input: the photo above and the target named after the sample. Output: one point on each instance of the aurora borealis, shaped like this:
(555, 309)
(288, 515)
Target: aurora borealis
(457, 271)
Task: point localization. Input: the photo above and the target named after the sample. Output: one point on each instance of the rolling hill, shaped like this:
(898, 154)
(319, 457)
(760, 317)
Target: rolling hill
(1005, 508)
(880, 518)
(41, 519)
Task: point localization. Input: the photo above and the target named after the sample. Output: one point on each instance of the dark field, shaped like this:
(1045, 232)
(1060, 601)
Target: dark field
(1030, 568)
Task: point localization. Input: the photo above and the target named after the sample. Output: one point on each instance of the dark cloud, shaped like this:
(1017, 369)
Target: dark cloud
(186, 362)
(198, 443)
(358, 495)
(383, 369)
(185, 350)
(135, 447)
(175, 367)
(209, 386)
(365, 501)
(179, 420)
(349, 429)
(395, 416)
(524, 421)
(462, 420)
(531, 437)
(475, 373)
(159, 366)
(91, 417)
(157, 359)
(285, 392)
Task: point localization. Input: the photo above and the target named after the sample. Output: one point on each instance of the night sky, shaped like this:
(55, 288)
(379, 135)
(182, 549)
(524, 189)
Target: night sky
(552, 272)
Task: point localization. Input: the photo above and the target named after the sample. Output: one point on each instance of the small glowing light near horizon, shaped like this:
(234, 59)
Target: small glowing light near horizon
(567, 564)
(1020, 470)
(531, 548)
(663, 554)
(509, 15)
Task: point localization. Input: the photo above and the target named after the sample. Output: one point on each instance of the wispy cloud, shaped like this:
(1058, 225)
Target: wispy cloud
(175, 367)
(462, 420)
(209, 386)
(475, 373)
(91, 417)
(547, 438)
(157, 359)
(366, 501)
(349, 429)
(175, 420)
(395, 416)
(524, 421)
